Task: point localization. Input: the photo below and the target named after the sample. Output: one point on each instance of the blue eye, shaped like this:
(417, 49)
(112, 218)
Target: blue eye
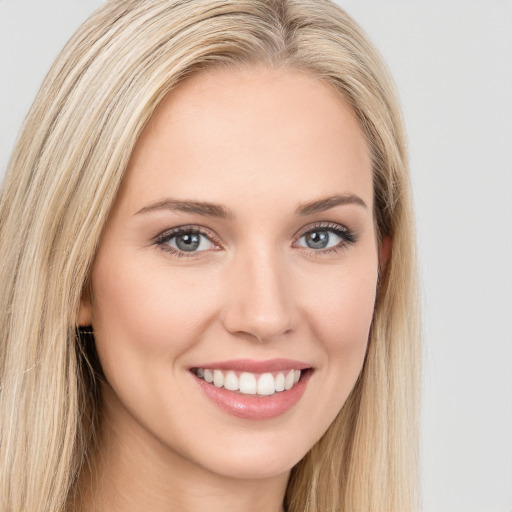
(324, 238)
(186, 241)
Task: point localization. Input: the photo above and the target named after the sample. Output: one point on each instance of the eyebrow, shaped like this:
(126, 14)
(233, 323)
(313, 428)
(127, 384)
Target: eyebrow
(327, 203)
(222, 212)
(198, 207)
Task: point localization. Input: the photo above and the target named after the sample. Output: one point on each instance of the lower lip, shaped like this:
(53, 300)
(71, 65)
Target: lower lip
(255, 407)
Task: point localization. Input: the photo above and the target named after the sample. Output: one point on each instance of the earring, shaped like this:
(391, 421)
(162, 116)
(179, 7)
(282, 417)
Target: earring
(85, 329)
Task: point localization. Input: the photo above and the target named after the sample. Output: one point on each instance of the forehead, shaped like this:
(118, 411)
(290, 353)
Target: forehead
(276, 133)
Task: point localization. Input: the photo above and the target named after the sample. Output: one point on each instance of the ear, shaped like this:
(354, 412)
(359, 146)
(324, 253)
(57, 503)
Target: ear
(384, 253)
(85, 311)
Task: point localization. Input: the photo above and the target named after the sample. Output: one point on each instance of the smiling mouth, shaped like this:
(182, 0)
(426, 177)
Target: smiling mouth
(248, 383)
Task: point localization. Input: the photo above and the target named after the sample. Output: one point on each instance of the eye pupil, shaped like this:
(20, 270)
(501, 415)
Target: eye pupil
(317, 239)
(188, 242)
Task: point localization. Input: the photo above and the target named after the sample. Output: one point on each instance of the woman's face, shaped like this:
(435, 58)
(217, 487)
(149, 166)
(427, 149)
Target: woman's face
(241, 248)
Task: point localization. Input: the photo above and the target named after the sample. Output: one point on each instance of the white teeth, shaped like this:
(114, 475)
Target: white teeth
(231, 381)
(289, 380)
(266, 384)
(218, 378)
(280, 382)
(248, 383)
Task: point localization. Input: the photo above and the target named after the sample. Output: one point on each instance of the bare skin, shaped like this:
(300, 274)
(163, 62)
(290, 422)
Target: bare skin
(262, 167)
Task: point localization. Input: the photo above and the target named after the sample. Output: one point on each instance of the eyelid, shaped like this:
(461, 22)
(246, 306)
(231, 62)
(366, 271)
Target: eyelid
(161, 239)
(327, 226)
(337, 228)
(348, 236)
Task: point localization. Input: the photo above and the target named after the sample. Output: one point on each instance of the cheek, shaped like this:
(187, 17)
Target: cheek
(341, 315)
(143, 312)
(350, 310)
(339, 319)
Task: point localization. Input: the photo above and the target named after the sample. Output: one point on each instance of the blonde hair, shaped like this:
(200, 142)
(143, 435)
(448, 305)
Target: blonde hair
(62, 181)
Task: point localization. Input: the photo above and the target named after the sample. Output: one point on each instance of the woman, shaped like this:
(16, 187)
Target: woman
(207, 255)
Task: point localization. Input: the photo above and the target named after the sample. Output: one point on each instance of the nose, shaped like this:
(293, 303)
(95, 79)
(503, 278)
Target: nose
(259, 297)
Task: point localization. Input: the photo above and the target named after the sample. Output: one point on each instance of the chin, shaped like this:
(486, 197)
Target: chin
(254, 467)
(255, 455)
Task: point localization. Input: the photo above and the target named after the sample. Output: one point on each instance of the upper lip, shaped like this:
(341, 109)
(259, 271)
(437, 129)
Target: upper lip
(254, 366)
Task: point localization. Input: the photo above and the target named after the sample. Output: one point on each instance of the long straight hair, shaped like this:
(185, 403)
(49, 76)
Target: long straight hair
(61, 183)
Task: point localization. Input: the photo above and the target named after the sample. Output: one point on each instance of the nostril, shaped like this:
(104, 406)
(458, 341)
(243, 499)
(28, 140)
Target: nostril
(258, 328)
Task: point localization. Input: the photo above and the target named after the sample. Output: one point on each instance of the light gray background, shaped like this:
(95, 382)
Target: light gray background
(452, 61)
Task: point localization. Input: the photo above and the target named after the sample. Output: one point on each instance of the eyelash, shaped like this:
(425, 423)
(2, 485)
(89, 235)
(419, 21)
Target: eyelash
(347, 237)
(163, 239)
